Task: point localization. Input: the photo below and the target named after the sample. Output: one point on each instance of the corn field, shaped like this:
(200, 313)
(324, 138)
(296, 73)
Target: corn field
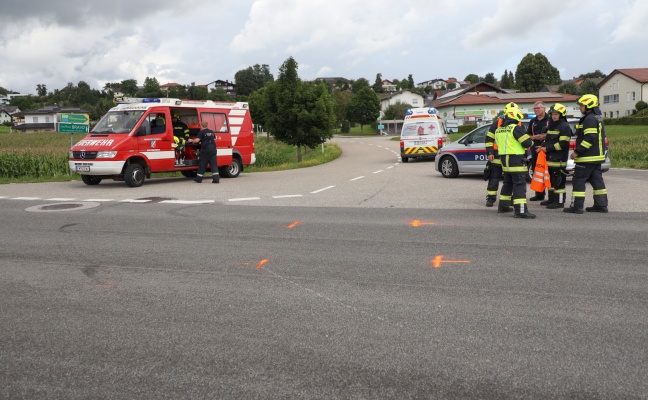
(35, 155)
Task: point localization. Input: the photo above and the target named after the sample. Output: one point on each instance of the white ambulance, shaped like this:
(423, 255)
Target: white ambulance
(135, 139)
(423, 134)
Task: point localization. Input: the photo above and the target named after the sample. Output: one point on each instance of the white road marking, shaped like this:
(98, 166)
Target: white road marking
(323, 189)
(245, 199)
(355, 179)
(377, 172)
(61, 199)
(285, 196)
(390, 167)
(188, 201)
(26, 198)
(134, 201)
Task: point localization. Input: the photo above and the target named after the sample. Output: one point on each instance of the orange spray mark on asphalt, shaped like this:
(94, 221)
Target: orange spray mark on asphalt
(262, 262)
(438, 259)
(416, 223)
(294, 224)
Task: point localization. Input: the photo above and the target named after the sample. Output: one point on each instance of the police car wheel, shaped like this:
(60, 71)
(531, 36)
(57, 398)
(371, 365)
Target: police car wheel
(90, 180)
(448, 167)
(134, 175)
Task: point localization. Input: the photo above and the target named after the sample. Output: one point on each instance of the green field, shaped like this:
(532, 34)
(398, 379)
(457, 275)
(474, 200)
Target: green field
(43, 156)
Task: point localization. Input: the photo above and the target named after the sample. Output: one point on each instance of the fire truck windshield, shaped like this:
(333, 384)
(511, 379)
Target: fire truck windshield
(118, 122)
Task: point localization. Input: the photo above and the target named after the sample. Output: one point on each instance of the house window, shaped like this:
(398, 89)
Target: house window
(414, 102)
(628, 112)
(46, 118)
(617, 114)
(35, 120)
(630, 96)
(612, 98)
(615, 85)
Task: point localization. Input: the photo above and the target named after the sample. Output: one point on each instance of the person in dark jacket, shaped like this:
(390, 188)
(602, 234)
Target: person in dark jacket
(512, 142)
(588, 156)
(556, 147)
(207, 140)
(537, 130)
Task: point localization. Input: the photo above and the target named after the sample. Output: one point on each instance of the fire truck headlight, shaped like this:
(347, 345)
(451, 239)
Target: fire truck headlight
(106, 154)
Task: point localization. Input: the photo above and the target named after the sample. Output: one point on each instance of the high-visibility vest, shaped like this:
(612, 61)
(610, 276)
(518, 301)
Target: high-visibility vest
(541, 178)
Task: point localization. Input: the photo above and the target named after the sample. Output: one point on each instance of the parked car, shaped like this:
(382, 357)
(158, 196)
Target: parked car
(468, 154)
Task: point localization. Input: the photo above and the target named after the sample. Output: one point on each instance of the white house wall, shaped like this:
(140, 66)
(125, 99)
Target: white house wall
(622, 86)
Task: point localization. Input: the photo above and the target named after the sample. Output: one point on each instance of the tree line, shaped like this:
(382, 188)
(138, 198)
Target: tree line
(297, 112)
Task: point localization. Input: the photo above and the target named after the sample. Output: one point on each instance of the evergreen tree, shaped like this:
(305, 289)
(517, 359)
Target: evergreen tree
(378, 86)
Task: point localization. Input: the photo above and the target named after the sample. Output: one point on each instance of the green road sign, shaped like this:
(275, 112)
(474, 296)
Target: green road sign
(75, 118)
(73, 128)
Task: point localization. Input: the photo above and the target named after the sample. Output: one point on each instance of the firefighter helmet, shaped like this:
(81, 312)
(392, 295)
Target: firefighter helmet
(558, 108)
(514, 113)
(509, 106)
(175, 116)
(588, 100)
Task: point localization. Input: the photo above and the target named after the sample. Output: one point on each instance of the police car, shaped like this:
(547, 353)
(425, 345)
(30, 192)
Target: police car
(468, 154)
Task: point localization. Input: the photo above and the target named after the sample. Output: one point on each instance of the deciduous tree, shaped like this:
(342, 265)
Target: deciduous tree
(534, 72)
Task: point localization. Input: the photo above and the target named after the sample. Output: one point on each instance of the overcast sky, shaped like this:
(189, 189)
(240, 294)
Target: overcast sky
(54, 42)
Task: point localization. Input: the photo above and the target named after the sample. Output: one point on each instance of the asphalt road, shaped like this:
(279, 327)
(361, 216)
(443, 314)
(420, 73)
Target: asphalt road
(360, 279)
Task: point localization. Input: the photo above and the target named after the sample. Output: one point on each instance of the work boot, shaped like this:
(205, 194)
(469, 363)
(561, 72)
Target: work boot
(596, 209)
(553, 206)
(526, 215)
(550, 200)
(490, 202)
(198, 179)
(573, 210)
(504, 209)
(216, 180)
(521, 211)
(538, 196)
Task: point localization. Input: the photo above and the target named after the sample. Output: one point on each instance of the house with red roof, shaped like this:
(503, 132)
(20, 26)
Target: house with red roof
(620, 91)
(481, 102)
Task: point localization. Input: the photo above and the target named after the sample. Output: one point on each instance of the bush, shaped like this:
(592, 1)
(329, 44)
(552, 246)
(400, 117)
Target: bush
(641, 105)
(626, 121)
(466, 128)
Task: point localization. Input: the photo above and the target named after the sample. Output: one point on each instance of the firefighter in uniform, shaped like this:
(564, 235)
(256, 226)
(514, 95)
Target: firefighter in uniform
(512, 142)
(207, 140)
(537, 130)
(180, 133)
(494, 165)
(556, 147)
(588, 157)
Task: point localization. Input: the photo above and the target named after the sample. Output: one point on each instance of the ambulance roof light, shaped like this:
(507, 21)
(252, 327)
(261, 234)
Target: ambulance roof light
(408, 111)
(432, 110)
(150, 100)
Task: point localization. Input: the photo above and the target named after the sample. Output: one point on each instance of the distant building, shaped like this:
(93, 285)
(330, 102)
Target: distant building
(620, 91)
(227, 86)
(435, 84)
(336, 82)
(43, 119)
(7, 113)
(481, 102)
(165, 88)
(405, 97)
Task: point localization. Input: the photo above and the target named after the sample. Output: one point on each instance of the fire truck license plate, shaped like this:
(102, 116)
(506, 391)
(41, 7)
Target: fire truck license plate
(420, 143)
(83, 169)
